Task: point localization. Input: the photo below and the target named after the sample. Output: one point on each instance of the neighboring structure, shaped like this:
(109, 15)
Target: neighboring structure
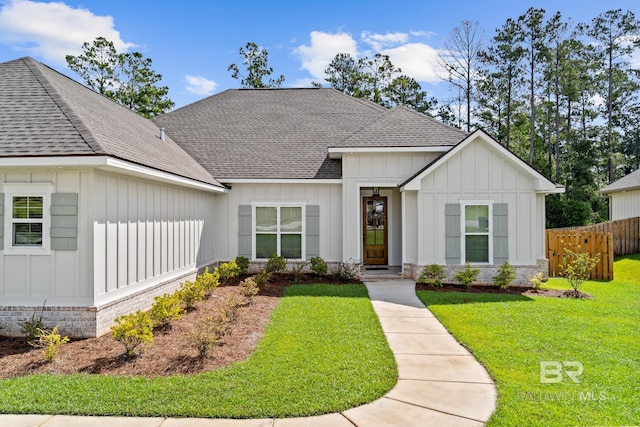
(102, 211)
(624, 196)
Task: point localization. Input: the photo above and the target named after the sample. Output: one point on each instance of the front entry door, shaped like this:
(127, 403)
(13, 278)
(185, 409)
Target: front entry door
(374, 224)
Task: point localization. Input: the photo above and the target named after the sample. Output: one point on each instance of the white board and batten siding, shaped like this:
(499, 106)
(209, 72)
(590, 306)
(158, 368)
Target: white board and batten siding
(625, 204)
(328, 196)
(145, 233)
(480, 172)
(62, 277)
(386, 171)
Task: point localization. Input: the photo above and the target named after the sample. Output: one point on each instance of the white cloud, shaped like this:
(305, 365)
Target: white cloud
(316, 56)
(53, 30)
(200, 85)
(417, 60)
(383, 41)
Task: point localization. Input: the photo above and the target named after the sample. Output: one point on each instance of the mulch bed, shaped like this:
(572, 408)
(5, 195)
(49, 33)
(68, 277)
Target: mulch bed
(512, 290)
(171, 353)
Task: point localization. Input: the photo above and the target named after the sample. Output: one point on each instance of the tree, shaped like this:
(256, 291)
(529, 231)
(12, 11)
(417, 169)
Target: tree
(378, 73)
(127, 78)
(461, 59)
(617, 36)
(406, 91)
(256, 61)
(345, 74)
(97, 65)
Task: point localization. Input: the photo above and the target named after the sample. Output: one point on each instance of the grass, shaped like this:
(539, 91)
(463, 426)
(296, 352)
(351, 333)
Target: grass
(512, 334)
(323, 351)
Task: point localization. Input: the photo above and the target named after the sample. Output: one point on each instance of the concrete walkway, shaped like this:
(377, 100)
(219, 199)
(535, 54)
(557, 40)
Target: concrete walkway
(439, 382)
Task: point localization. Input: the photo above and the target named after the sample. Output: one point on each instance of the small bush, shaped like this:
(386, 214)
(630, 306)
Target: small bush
(190, 294)
(209, 281)
(243, 264)
(467, 276)
(348, 271)
(297, 271)
(249, 288)
(506, 275)
(205, 335)
(165, 310)
(576, 267)
(228, 270)
(134, 331)
(319, 266)
(537, 280)
(51, 342)
(432, 274)
(262, 279)
(276, 264)
(32, 329)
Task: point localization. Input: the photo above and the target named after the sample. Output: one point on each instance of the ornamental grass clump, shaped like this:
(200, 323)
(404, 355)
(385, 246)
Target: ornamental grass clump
(134, 331)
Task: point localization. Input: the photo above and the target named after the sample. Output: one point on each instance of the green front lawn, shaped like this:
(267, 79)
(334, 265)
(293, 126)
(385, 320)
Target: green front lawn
(324, 351)
(511, 335)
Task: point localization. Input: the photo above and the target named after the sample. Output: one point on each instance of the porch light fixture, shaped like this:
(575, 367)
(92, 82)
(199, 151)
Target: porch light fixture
(376, 191)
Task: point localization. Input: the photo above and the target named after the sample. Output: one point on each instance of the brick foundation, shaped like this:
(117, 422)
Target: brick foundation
(487, 272)
(86, 322)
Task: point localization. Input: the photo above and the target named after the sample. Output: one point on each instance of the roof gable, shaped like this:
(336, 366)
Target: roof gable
(45, 113)
(626, 183)
(543, 184)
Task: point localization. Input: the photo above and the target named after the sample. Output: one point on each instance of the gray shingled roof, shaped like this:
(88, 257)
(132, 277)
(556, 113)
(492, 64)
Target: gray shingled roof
(627, 182)
(44, 113)
(285, 133)
(403, 127)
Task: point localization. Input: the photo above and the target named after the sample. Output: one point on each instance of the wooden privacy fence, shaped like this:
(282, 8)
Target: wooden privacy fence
(581, 240)
(611, 238)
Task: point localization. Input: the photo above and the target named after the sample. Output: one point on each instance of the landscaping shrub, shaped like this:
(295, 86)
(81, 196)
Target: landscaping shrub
(165, 310)
(432, 274)
(537, 280)
(467, 276)
(348, 271)
(32, 328)
(228, 270)
(262, 279)
(243, 264)
(205, 335)
(134, 331)
(506, 275)
(191, 293)
(319, 266)
(209, 281)
(249, 289)
(51, 342)
(297, 271)
(276, 264)
(576, 267)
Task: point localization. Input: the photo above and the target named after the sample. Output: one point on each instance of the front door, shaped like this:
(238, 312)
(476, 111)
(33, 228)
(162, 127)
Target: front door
(374, 220)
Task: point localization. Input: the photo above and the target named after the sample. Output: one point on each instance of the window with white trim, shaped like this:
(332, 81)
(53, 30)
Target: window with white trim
(477, 244)
(278, 229)
(27, 218)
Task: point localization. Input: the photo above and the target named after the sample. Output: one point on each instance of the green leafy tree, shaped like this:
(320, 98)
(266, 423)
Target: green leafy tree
(345, 74)
(256, 62)
(127, 78)
(406, 91)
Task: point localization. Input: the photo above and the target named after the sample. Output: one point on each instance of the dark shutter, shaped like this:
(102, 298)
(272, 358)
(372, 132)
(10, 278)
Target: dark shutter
(64, 221)
(452, 233)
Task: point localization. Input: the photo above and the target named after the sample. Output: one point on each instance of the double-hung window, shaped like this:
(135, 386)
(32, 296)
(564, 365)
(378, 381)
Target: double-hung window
(477, 230)
(278, 229)
(27, 218)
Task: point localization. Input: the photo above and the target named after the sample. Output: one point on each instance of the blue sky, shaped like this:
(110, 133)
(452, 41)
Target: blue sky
(193, 42)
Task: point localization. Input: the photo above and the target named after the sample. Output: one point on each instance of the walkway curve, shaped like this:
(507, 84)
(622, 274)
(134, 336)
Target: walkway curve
(439, 382)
